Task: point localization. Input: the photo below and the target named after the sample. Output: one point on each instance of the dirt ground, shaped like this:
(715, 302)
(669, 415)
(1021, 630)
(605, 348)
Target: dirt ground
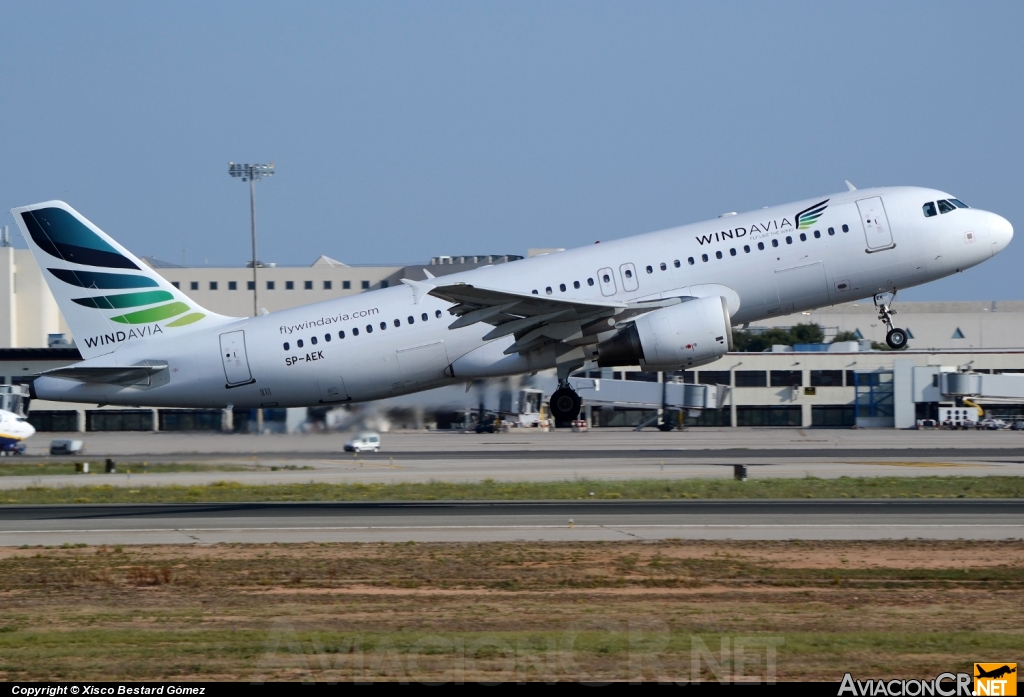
(670, 611)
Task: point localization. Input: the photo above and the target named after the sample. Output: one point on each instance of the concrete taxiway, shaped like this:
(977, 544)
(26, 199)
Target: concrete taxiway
(508, 521)
(531, 455)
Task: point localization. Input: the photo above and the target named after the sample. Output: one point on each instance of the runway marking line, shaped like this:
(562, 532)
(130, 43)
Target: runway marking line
(923, 464)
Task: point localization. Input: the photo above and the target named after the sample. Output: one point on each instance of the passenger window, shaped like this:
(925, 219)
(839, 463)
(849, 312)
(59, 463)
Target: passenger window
(831, 231)
(704, 257)
(355, 331)
(817, 234)
(803, 237)
(650, 269)
(327, 337)
(312, 340)
(929, 210)
(629, 274)
(789, 240)
(718, 255)
(383, 326)
(663, 266)
(535, 292)
(341, 334)
(286, 346)
(607, 278)
(690, 261)
(548, 290)
(590, 281)
(437, 313)
(946, 207)
(846, 228)
(561, 287)
(369, 329)
(746, 249)
(760, 245)
(424, 317)
(676, 263)
(410, 319)
(299, 343)
(775, 243)
(398, 323)
(732, 252)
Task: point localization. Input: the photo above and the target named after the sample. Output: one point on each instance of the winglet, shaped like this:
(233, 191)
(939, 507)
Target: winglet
(850, 186)
(419, 288)
(428, 274)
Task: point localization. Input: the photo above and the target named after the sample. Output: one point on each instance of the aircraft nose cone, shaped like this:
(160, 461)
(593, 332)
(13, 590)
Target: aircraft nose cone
(1001, 231)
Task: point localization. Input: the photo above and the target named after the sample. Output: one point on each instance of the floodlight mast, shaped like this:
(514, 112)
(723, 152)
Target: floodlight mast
(252, 174)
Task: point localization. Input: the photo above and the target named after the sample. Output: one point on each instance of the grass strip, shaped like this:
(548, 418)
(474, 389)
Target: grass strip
(96, 465)
(580, 489)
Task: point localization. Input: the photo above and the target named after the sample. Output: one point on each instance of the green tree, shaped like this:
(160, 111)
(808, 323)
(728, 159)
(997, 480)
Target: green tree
(845, 336)
(807, 333)
(756, 342)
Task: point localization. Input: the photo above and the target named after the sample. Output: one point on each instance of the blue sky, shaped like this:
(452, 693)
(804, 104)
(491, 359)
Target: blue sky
(407, 130)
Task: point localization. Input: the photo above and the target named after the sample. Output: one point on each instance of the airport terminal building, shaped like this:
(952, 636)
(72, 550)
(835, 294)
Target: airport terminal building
(811, 386)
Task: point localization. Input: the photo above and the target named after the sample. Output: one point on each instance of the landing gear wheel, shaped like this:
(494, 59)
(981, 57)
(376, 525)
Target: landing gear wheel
(565, 406)
(896, 338)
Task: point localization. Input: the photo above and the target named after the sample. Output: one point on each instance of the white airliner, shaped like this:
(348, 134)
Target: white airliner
(664, 300)
(13, 430)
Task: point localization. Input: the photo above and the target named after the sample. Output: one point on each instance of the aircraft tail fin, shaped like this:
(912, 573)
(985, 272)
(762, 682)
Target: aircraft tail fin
(106, 294)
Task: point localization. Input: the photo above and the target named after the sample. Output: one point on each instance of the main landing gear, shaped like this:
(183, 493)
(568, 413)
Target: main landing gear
(895, 337)
(565, 405)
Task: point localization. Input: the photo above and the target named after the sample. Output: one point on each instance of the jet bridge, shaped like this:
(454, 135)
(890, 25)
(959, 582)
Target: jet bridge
(649, 395)
(917, 390)
(14, 398)
(1005, 386)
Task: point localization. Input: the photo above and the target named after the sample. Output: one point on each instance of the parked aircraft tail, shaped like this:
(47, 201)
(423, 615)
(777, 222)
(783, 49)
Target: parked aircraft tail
(107, 296)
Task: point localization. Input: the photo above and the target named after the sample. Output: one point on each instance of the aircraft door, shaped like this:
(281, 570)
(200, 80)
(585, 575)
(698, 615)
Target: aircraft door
(606, 278)
(876, 223)
(629, 279)
(236, 362)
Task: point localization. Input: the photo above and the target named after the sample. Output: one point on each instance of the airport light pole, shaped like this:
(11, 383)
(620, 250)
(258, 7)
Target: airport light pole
(252, 174)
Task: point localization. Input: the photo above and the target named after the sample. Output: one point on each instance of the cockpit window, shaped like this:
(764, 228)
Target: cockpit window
(958, 203)
(946, 207)
(929, 210)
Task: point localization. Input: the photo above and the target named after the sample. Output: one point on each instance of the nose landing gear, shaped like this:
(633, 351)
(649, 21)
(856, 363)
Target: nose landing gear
(895, 337)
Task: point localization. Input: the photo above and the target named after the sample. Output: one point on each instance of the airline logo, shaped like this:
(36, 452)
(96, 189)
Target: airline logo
(804, 220)
(62, 236)
(809, 216)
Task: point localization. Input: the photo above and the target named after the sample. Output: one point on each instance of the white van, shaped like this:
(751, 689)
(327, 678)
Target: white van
(66, 447)
(364, 441)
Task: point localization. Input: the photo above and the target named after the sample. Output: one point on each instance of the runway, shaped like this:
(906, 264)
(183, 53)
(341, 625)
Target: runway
(438, 521)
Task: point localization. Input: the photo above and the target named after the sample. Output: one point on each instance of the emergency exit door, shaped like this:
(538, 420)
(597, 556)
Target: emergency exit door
(876, 224)
(236, 362)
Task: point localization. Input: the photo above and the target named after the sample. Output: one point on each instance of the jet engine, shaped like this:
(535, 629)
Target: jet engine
(693, 333)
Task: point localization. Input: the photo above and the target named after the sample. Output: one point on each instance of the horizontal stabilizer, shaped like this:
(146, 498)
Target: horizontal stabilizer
(112, 375)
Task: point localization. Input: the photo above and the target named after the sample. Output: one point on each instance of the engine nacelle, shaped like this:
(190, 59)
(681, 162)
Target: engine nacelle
(687, 335)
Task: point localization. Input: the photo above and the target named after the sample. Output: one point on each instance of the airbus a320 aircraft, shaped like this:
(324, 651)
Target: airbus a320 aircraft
(664, 300)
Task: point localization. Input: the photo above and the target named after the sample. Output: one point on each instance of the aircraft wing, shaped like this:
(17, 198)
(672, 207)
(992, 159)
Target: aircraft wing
(127, 374)
(535, 320)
